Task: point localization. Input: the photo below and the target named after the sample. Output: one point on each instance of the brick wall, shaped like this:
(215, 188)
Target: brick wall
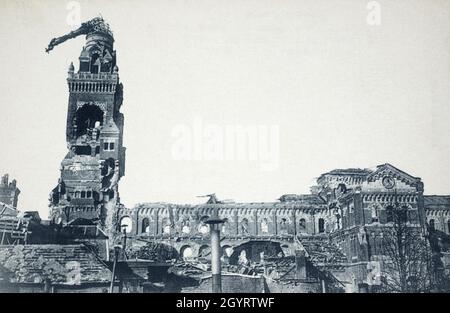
(232, 283)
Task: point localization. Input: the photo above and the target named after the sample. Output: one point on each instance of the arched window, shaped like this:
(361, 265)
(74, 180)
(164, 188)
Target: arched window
(448, 226)
(225, 226)
(302, 225)
(95, 63)
(145, 226)
(338, 221)
(244, 226)
(227, 251)
(283, 226)
(321, 225)
(126, 223)
(186, 252)
(243, 258)
(431, 223)
(264, 226)
(341, 190)
(186, 227)
(403, 214)
(166, 227)
(202, 227)
(389, 214)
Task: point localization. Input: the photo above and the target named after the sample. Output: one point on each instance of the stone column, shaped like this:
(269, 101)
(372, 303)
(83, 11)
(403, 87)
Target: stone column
(294, 222)
(215, 259)
(421, 205)
(155, 222)
(312, 223)
(275, 223)
(215, 223)
(358, 205)
(300, 264)
(235, 222)
(138, 225)
(255, 217)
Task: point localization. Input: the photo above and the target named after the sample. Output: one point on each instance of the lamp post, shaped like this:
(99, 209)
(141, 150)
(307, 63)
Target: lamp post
(214, 222)
(116, 258)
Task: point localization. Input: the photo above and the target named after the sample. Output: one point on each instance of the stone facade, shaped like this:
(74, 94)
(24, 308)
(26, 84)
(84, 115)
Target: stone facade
(349, 209)
(340, 202)
(438, 212)
(233, 283)
(307, 214)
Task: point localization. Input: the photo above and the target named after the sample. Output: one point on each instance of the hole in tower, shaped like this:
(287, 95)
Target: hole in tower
(86, 118)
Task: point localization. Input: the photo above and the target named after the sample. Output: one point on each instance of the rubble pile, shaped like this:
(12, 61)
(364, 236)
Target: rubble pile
(321, 251)
(62, 264)
(153, 251)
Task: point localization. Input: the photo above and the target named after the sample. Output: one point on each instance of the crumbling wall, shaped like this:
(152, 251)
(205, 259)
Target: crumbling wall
(232, 283)
(293, 286)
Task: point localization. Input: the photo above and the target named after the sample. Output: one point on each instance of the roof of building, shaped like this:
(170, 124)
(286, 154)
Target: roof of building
(61, 264)
(300, 201)
(306, 199)
(352, 172)
(6, 209)
(434, 200)
(138, 269)
(75, 231)
(32, 214)
(389, 169)
(193, 269)
(349, 171)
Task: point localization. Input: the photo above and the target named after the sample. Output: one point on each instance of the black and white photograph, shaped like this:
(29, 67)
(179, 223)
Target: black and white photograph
(238, 148)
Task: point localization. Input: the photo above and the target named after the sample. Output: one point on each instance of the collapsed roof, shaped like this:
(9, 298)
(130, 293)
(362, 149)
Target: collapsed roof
(62, 264)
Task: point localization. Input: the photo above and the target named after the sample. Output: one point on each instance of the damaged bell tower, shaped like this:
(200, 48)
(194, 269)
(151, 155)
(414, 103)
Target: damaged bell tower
(90, 172)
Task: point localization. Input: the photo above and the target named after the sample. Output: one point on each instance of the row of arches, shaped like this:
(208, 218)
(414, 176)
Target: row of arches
(91, 87)
(81, 208)
(251, 209)
(203, 229)
(189, 252)
(243, 253)
(390, 198)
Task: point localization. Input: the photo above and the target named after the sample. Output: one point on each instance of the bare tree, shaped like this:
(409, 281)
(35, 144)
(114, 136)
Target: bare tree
(408, 264)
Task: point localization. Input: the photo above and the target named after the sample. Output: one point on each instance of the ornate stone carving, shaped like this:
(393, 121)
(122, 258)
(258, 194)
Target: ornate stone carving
(102, 105)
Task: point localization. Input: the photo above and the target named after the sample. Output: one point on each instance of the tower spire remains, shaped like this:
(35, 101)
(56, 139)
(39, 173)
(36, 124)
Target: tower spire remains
(95, 162)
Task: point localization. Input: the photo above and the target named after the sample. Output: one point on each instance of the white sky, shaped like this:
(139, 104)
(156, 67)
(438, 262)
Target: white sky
(343, 93)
